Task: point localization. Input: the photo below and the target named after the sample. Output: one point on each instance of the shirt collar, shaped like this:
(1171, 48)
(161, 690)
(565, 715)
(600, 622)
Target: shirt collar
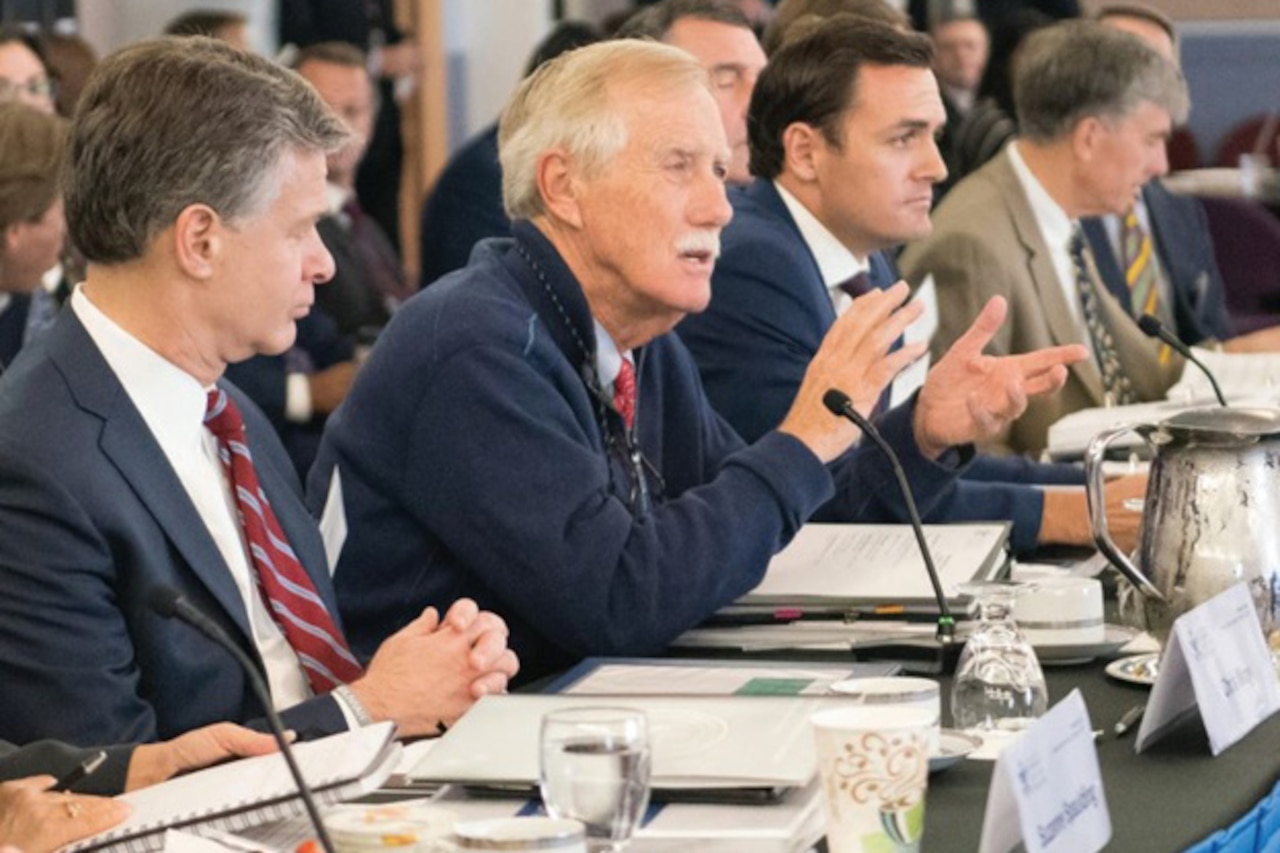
(1055, 225)
(836, 264)
(608, 358)
(338, 197)
(170, 400)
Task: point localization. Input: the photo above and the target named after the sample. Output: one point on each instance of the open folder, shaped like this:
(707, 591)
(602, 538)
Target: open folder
(700, 743)
(879, 565)
(252, 791)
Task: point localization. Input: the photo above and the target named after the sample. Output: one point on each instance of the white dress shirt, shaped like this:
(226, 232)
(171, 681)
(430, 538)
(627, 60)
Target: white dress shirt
(836, 264)
(1055, 227)
(172, 403)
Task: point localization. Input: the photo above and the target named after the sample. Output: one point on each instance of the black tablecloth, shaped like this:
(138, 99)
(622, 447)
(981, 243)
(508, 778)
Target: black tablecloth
(1166, 799)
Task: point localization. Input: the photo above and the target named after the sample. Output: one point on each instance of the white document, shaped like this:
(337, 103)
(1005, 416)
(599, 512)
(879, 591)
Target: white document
(1046, 790)
(698, 741)
(878, 563)
(1242, 376)
(676, 679)
(1216, 660)
(912, 377)
(252, 790)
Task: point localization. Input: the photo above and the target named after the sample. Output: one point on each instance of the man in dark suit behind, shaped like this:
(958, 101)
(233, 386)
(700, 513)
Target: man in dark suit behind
(847, 170)
(1170, 231)
(196, 209)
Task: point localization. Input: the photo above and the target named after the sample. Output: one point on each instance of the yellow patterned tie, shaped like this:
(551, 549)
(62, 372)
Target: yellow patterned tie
(1140, 273)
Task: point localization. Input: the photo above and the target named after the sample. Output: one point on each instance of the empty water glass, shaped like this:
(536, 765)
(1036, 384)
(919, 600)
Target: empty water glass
(998, 684)
(595, 768)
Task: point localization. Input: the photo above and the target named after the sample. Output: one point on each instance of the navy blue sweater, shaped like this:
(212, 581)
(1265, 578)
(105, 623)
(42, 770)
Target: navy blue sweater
(475, 461)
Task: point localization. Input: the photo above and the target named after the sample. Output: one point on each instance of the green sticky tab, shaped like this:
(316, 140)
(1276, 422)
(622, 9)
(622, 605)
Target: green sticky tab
(774, 687)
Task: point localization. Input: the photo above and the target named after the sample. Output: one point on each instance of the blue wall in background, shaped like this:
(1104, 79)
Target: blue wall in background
(1233, 71)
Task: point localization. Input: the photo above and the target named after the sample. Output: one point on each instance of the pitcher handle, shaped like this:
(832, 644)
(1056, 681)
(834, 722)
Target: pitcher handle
(1098, 512)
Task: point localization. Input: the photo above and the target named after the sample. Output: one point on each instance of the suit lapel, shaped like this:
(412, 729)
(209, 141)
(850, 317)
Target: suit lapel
(815, 290)
(128, 443)
(1063, 328)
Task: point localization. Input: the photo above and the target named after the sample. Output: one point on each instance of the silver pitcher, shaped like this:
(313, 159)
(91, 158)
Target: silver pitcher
(1211, 517)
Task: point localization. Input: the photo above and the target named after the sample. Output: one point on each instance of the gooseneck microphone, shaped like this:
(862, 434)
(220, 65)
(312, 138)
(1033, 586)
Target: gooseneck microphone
(1153, 328)
(840, 405)
(171, 604)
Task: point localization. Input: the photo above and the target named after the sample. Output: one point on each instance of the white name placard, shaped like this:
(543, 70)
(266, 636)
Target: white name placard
(1216, 661)
(1046, 790)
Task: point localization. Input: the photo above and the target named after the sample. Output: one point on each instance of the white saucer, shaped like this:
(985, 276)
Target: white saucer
(953, 745)
(1062, 654)
(1136, 669)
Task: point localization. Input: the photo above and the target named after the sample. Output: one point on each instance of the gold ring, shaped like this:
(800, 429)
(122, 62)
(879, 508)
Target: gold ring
(73, 808)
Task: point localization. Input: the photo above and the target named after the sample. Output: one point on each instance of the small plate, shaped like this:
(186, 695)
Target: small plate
(1114, 638)
(1137, 669)
(954, 745)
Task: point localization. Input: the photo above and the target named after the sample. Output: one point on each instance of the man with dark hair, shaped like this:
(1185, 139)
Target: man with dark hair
(1095, 107)
(127, 466)
(228, 26)
(528, 432)
(803, 12)
(720, 37)
(842, 136)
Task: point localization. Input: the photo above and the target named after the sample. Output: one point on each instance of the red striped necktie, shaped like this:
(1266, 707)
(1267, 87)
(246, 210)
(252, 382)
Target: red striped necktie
(285, 587)
(624, 393)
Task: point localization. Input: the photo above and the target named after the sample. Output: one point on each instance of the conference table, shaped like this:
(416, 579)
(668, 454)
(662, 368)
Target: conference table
(1166, 799)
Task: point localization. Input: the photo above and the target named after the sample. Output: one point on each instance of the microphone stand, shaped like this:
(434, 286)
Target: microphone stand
(171, 604)
(1153, 328)
(839, 404)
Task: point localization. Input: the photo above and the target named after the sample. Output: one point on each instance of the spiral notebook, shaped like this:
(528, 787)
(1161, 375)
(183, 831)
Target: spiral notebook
(252, 791)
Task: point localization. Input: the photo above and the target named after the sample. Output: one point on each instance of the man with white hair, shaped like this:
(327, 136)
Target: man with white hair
(530, 434)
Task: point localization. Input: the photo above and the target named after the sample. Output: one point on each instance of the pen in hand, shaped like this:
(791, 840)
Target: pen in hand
(78, 773)
(1129, 719)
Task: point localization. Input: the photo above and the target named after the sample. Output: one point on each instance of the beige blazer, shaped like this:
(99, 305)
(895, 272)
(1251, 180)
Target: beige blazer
(985, 241)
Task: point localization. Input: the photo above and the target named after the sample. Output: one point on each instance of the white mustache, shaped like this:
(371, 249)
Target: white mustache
(700, 241)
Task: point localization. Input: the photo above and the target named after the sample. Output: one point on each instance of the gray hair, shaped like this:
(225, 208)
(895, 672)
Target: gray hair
(172, 122)
(1078, 69)
(655, 21)
(572, 103)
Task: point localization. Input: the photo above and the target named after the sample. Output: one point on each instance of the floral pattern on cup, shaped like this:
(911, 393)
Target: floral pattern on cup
(887, 771)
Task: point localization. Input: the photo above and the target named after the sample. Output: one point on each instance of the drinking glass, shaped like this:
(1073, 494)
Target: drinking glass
(595, 768)
(998, 684)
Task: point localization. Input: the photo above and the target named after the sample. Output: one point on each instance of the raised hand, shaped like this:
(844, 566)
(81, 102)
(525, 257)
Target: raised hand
(854, 358)
(972, 397)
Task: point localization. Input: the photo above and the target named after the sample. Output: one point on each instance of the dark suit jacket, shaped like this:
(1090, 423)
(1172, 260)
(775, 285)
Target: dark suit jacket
(768, 315)
(349, 298)
(55, 759)
(92, 516)
(13, 323)
(463, 208)
(1181, 236)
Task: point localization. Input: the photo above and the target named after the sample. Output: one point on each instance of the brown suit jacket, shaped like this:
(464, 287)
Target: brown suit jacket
(985, 242)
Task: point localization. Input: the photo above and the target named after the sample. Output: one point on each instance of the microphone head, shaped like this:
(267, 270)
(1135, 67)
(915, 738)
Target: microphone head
(164, 600)
(1150, 325)
(836, 401)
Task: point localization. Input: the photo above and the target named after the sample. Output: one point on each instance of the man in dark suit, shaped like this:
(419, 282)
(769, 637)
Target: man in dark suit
(393, 55)
(126, 465)
(821, 214)
(1165, 236)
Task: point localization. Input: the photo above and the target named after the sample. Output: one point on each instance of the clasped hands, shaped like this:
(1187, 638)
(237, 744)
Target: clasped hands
(967, 397)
